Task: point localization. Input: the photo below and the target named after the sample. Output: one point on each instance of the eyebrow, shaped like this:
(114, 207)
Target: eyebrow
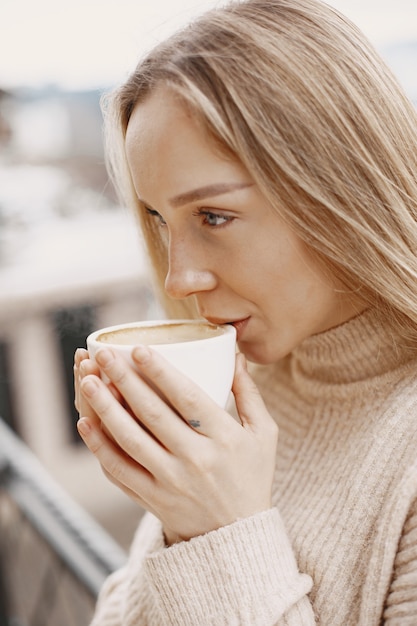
(208, 191)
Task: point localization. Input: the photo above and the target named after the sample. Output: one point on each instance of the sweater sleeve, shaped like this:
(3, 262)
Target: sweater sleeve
(125, 597)
(401, 603)
(242, 574)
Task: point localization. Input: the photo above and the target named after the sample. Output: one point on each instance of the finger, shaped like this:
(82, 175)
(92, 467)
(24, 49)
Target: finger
(76, 387)
(145, 403)
(89, 366)
(120, 469)
(126, 432)
(80, 355)
(79, 373)
(85, 368)
(83, 407)
(195, 407)
(249, 403)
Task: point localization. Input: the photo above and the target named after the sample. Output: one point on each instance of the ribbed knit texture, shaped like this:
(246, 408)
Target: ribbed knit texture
(339, 548)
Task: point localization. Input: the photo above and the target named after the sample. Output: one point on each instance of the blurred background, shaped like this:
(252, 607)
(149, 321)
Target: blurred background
(70, 256)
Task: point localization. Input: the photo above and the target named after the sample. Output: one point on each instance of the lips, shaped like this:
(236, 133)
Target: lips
(240, 325)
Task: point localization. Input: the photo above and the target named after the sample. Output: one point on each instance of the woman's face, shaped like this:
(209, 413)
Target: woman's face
(226, 246)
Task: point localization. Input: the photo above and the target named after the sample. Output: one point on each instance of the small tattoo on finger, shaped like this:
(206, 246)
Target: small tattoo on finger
(194, 423)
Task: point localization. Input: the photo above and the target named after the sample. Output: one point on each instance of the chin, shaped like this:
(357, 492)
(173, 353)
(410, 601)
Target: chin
(261, 354)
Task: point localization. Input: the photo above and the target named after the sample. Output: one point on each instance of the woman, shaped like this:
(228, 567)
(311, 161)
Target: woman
(271, 157)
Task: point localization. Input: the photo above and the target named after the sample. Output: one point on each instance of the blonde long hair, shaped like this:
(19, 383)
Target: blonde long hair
(296, 92)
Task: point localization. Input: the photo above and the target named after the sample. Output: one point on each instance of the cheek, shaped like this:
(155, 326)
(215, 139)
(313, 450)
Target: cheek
(299, 280)
(303, 293)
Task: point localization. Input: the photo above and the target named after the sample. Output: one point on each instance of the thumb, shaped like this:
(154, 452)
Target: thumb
(249, 403)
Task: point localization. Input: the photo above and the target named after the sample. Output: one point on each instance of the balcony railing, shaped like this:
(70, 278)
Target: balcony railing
(53, 556)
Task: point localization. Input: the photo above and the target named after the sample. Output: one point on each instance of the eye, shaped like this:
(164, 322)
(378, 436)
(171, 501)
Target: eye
(156, 215)
(213, 219)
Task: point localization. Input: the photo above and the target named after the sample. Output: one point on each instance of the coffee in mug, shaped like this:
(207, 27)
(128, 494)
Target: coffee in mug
(156, 334)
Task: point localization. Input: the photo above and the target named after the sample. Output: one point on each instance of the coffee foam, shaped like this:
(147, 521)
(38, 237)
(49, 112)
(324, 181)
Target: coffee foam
(162, 334)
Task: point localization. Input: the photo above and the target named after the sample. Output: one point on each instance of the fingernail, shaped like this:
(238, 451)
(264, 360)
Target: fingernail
(104, 357)
(141, 354)
(89, 387)
(80, 354)
(84, 427)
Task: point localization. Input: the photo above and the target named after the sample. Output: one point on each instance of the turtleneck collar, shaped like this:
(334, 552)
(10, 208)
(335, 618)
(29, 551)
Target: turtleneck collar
(362, 348)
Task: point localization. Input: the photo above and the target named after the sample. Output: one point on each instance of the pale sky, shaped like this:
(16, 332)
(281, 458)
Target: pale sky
(93, 43)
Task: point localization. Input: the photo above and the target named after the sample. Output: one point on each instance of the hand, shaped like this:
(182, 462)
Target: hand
(184, 458)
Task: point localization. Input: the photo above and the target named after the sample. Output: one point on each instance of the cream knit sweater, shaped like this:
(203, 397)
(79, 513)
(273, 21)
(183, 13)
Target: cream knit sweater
(339, 548)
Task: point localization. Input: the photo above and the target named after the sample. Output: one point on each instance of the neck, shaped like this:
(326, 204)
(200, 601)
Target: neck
(361, 349)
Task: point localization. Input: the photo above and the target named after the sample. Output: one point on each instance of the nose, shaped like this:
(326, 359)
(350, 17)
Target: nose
(188, 271)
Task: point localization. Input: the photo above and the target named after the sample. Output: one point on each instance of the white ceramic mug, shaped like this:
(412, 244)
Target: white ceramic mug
(204, 352)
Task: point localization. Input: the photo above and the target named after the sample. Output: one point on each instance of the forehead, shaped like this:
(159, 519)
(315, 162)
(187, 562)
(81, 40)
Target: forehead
(165, 109)
(168, 145)
(158, 111)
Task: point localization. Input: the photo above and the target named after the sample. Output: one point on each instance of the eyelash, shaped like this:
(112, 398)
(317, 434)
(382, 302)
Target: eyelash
(204, 213)
(154, 213)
